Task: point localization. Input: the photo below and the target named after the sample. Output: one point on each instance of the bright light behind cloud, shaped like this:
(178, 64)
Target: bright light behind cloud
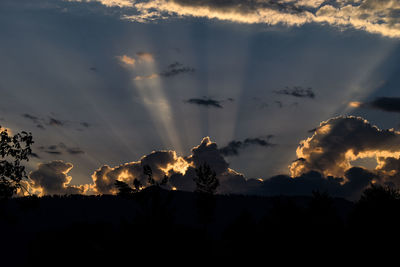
(374, 16)
(109, 3)
(127, 60)
(154, 98)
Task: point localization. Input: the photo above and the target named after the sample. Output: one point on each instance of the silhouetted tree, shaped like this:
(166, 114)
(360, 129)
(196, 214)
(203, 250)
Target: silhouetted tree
(149, 173)
(379, 206)
(124, 189)
(206, 185)
(137, 185)
(206, 180)
(14, 149)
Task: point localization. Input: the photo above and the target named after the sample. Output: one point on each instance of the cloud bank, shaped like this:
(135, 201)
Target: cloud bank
(373, 16)
(324, 162)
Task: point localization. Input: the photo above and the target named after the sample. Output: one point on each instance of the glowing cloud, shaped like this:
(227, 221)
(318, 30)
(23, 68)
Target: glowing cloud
(127, 60)
(145, 57)
(109, 3)
(146, 77)
(374, 16)
(338, 141)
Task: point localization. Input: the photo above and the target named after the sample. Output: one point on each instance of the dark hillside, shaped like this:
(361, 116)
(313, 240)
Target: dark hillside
(49, 228)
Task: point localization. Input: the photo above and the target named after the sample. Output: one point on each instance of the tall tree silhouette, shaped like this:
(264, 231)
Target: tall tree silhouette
(206, 180)
(14, 149)
(206, 185)
(149, 173)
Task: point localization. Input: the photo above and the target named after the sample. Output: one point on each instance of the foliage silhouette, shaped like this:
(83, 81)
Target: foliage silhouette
(378, 207)
(14, 149)
(150, 179)
(206, 179)
(124, 190)
(149, 173)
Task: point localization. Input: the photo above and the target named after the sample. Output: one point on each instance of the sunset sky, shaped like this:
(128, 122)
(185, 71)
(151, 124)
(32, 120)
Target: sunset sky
(101, 83)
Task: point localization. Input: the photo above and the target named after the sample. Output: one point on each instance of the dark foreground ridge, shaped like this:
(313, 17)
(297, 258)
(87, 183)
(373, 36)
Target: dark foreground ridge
(157, 224)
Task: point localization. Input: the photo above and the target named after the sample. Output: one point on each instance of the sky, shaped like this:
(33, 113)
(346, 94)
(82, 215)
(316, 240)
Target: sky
(267, 91)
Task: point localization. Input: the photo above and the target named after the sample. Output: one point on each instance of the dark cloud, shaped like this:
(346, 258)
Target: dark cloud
(55, 122)
(85, 124)
(35, 120)
(297, 91)
(52, 178)
(233, 148)
(75, 151)
(389, 104)
(31, 117)
(60, 149)
(350, 186)
(207, 102)
(176, 69)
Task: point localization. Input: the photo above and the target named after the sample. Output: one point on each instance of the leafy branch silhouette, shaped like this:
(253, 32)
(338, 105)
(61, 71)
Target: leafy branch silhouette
(14, 149)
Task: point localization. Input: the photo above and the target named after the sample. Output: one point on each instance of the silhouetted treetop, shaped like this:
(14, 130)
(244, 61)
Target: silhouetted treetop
(206, 179)
(14, 149)
(123, 189)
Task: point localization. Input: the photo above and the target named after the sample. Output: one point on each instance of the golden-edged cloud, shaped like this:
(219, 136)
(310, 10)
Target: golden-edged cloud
(127, 60)
(108, 3)
(52, 179)
(324, 163)
(374, 16)
(341, 140)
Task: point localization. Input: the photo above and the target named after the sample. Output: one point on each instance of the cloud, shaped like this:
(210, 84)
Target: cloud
(176, 69)
(145, 57)
(108, 3)
(389, 104)
(297, 91)
(181, 170)
(60, 149)
(35, 120)
(127, 60)
(52, 178)
(341, 140)
(146, 77)
(207, 102)
(172, 70)
(55, 122)
(233, 148)
(373, 16)
(161, 163)
(350, 186)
